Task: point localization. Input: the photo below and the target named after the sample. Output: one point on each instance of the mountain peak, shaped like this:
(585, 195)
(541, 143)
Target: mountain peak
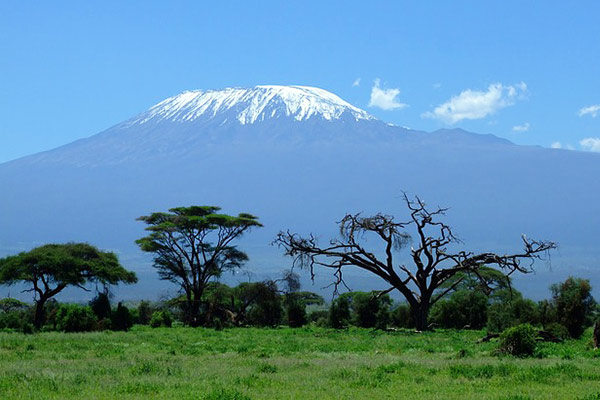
(250, 105)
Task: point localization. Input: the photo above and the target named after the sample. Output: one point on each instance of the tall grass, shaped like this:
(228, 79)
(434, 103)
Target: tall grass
(306, 363)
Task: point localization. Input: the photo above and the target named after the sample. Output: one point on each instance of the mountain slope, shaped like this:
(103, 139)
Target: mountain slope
(299, 158)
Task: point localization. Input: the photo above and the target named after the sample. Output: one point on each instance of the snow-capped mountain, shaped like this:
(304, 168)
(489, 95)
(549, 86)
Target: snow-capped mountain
(248, 106)
(191, 123)
(299, 158)
(187, 124)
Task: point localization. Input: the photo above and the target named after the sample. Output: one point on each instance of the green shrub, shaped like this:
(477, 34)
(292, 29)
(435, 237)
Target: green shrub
(363, 309)
(51, 309)
(464, 308)
(511, 309)
(558, 330)
(101, 305)
(15, 319)
(262, 303)
(339, 313)
(519, 340)
(267, 309)
(121, 318)
(295, 311)
(9, 304)
(318, 315)
(144, 313)
(369, 309)
(546, 312)
(383, 318)
(28, 328)
(402, 317)
(161, 318)
(75, 318)
(217, 324)
(104, 325)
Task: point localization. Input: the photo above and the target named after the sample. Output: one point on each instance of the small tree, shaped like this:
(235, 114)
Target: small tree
(295, 310)
(192, 246)
(264, 303)
(52, 267)
(101, 305)
(573, 303)
(434, 263)
(144, 312)
(121, 318)
(339, 313)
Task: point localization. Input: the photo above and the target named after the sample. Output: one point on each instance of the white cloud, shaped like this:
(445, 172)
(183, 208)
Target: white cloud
(356, 82)
(437, 85)
(386, 99)
(559, 145)
(592, 110)
(476, 104)
(521, 128)
(591, 144)
(556, 145)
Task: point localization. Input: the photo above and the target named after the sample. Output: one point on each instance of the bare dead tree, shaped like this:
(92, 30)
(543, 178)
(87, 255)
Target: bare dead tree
(422, 284)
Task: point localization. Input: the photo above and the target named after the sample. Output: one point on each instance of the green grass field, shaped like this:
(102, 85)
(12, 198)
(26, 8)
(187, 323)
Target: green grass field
(309, 363)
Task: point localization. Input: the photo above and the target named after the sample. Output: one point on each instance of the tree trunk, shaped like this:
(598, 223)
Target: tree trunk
(38, 319)
(195, 313)
(421, 316)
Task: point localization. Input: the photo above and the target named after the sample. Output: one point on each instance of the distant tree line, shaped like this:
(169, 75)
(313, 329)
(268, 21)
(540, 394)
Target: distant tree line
(569, 311)
(193, 247)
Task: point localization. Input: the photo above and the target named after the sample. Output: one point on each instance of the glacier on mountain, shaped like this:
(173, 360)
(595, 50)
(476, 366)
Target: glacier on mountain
(250, 105)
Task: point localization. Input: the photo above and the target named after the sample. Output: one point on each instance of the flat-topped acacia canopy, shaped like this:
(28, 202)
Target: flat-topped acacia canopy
(192, 246)
(52, 267)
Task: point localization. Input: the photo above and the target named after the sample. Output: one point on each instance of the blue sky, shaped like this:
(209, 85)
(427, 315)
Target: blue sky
(526, 71)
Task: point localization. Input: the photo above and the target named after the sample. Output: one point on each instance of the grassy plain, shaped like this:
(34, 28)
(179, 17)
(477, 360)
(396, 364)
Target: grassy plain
(308, 363)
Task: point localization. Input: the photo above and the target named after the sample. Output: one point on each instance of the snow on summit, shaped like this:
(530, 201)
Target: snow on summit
(250, 105)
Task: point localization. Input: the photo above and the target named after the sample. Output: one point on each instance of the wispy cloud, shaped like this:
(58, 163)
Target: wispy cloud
(477, 104)
(386, 99)
(591, 110)
(559, 145)
(521, 128)
(591, 144)
(356, 82)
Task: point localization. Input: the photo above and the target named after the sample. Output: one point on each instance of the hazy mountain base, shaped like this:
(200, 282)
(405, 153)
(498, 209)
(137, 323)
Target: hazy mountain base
(307, 363)
(292, 178)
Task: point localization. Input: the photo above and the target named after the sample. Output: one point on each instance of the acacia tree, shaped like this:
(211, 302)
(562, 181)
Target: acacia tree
(52, 267)
(422, 284)
(192, 246)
